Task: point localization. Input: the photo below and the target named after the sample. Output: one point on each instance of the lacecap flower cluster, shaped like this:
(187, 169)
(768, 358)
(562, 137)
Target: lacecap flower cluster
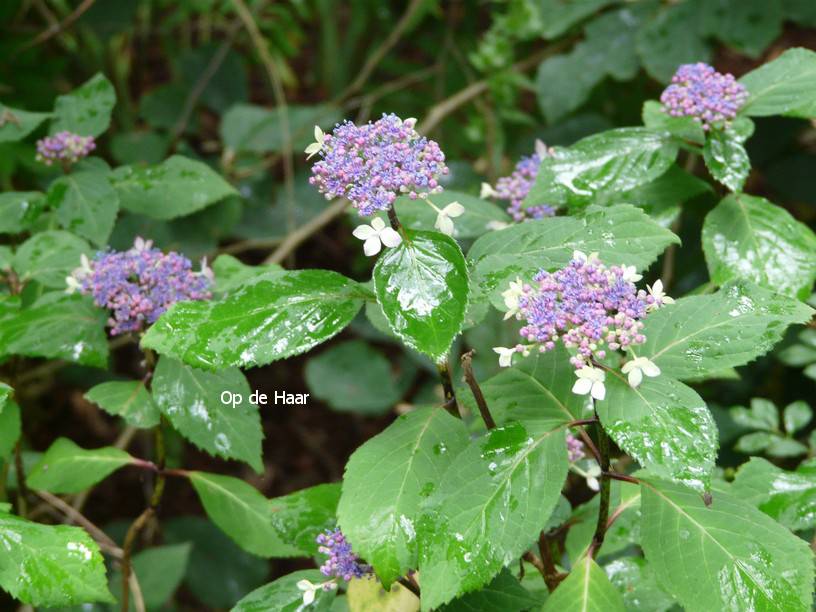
(64, 148)
(343, 562)
(711, 98)
(517, 185)
(140, 284)
(371, 164)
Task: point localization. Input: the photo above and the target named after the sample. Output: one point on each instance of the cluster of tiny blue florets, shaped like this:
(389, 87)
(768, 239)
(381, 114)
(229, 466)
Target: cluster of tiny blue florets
(371, 164)
(140, 284)
(343, 562)
(699, 91)
(516, 187)
(587, 306)
(64, 148)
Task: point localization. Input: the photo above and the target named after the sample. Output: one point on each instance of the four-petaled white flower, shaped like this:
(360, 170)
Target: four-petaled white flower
(505, 355)
(443, 219)
(590, 380)
(637, 367)
(660, 297)
(592, 474)
(140, 244)
(584, 258)
(511, 297)
(375, 235)
(487, 191)
(206, 271)
(630, 274)
(72, 281)
(317, 145)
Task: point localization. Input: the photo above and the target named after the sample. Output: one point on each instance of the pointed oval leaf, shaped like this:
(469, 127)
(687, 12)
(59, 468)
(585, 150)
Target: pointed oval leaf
(748, 237)
(128, 399)
(19, 210)
(422, 286)
(301, 516)
(86, 110)
(192, 400)
(726, 159)
(283, 595)
(586, 589)
(730, 556)
(489, 507)
(272, 317)
(664, 425)
(86, 204)
(48, 257)
(16, 124)
(635, 581)
(504, 593)
(783, 86)
(386, 480)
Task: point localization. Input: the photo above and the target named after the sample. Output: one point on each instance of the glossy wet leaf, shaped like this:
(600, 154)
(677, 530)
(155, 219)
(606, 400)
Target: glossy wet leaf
(16, 124)
(301, 516)
(504, 593)
(127, 399)
(48, 257)
(536, 387)
(230, 273)
(159, 570)
(730, 556)
(193, 402)
(67, 468)
(283, 595)
(664, 425)
(422, 286)
(686, 128)
(242, 513)
(621, 234)
(585, 589)
(19, 210)
(704, 334)
(635, 581)
(786, 496)
(726, 159)
(57, 326)
(386, 481)
(50, 566)
(748, 237)
(87, 109)
(176, 187)
(616, 160)
(10, 427)
(269, 318)
(783, 86)
(489, 507)
(86, 204)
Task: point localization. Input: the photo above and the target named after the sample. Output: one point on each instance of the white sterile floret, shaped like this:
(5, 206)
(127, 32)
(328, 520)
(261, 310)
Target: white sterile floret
(659, 296)
(487, 191)
(443, 220)
(375, 235)
(630, 274)
(511, 297)
(505, 355)
(309, 591)
(637, 367)
(590, 380)
(592, 475)
(317, 145)
(584, 258)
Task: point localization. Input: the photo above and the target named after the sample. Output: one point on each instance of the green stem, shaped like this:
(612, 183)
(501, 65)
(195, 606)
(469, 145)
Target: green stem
(22, 506)
(603, 509)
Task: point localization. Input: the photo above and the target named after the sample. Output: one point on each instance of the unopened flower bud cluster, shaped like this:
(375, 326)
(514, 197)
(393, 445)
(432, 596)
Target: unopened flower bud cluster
(64, 148)
(711, 98)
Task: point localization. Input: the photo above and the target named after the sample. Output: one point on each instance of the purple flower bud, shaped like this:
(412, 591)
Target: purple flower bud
(342, 562)
(575, 448)
(699, 91)
(516, 187)
(64, 148)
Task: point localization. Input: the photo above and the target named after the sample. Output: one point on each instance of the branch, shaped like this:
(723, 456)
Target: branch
(470, 379)
(603, 509)
(57, 27)
(294, 239)
(451, 405)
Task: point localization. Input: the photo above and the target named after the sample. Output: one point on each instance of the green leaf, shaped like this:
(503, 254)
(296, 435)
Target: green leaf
(19, 209)
(748, 237)
(5, 392)
(16, 124)
(45, 565)
(67, 468)
(303, 515)
(269, 318)
(723, 556)
(655, 117)
(783, 86)
(726, 159)
(194, 402)
(634, 580)
(564, 82)
(479, 217)
(242, 513)
(763, 414)
(704, 334)
(489, 507)
(749, 26)
(664, 425)
(422, 286)
(86, 110)
(615, 160)
(556, 17)
(176, 187)
(159, 571)
(536, 387)
(796, 416)
(504, 593)
(10, 427)
(283, 595)
(57, 326)
(48, 257)
(353, 377)
(586, 589)
(246, 128)
(771, 444)
(786, 496)
(231, 273)
(620, 234)
(85, 204)
(128, 399)
(387, 479)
